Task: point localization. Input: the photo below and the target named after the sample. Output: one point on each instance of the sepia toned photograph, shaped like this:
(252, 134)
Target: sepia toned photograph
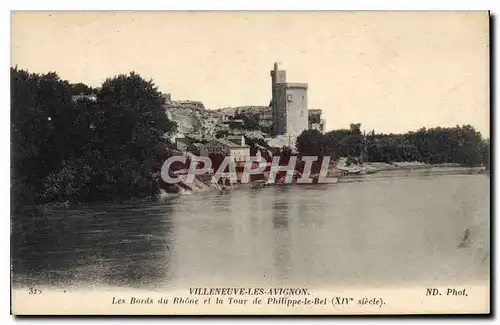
(250, 162)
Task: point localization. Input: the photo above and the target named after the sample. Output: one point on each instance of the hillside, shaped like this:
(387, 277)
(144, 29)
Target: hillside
(250, 110)
(194, 120)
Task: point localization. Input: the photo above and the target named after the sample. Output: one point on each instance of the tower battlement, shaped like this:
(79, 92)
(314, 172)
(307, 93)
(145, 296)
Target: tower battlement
(289, 104)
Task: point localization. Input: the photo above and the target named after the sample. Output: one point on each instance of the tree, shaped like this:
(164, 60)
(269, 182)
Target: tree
(221, 134)
(41, 109)
(89, 150)
(343, 143)
(355, 128)
(81, 88)
(135, 125)
(485, 153)
(250, 122)
(438, 145)
(311, 143)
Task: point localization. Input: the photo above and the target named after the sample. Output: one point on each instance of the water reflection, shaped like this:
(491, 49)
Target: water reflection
(280, 209)
(385, 230)
(282, 244)
(113, 245)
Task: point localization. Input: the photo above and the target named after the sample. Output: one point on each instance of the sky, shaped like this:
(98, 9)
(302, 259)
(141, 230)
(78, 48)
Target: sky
(390, 71)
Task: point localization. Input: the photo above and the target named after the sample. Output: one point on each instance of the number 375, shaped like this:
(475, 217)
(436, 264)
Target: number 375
(34, 291)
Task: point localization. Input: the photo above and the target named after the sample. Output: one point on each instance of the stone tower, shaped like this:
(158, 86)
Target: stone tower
(289, 105)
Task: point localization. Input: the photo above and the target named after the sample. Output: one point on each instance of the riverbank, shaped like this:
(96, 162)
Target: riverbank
(343, 174)
(203, 184)
(374, 167)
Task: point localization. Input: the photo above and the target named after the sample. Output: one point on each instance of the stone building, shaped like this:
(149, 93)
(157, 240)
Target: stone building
(238, 139)
(226, 148)
(289, 105)
(167, 98)
(266, 120)
(315, 120)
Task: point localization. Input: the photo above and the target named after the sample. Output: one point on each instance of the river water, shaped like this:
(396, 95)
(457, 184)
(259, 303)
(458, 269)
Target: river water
(413, 227)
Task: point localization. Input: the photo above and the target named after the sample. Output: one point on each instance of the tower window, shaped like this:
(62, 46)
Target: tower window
(289, 97)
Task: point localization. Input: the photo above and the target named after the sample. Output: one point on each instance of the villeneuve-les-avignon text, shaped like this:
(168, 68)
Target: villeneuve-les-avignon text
(254, 165)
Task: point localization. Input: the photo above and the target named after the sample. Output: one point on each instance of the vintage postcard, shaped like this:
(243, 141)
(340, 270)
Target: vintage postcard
(231, 163)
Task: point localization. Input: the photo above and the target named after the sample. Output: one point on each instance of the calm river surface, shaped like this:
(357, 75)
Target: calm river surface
(383, 229)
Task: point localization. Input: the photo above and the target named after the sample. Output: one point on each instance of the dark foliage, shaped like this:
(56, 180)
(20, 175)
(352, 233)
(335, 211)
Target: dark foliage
(311, 143)
(86, 150)
(461, 145)
(250, 122)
